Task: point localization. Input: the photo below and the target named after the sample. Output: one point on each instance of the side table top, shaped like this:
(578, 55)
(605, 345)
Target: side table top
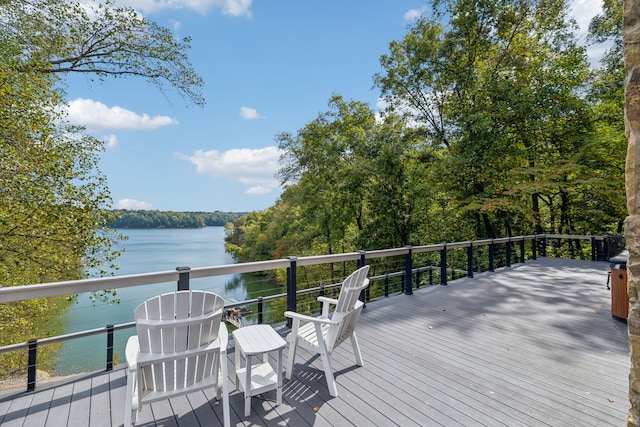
(258, 339)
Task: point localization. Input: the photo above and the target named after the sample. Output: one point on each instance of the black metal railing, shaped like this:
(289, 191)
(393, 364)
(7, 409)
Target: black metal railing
(395, 271)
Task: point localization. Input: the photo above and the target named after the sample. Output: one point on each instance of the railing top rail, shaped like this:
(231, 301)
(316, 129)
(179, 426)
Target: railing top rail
(16, 293)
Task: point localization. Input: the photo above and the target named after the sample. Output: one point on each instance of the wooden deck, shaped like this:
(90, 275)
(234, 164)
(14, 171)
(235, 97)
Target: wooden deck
(531, 345)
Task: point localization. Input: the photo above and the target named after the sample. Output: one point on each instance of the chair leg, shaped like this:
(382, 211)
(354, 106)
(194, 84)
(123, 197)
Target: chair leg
(356, 349)
(328, 373)
(291, 358)
(225, 390)
(128, 404)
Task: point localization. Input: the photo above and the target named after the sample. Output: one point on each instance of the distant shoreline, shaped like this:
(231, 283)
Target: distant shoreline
(151, 219)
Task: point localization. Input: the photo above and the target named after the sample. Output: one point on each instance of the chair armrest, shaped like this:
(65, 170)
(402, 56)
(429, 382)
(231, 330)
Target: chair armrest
(223, 336)
(328, 300)
(131, 351)
(303, 317)
(326, 305)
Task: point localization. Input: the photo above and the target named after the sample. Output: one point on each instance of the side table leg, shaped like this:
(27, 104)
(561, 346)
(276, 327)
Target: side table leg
(279, 373)
(247, 389)
(237, 365)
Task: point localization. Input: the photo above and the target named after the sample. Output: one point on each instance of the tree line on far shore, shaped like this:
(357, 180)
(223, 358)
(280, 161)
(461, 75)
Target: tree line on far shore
(125, 218)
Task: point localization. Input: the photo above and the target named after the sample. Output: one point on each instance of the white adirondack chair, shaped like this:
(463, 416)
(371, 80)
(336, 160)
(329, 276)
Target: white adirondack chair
(321, 335)
(180, 347)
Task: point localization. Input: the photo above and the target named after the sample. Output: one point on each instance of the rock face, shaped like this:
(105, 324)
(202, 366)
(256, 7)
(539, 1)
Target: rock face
(631, 40)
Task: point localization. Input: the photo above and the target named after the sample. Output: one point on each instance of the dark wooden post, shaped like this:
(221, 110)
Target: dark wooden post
(443, 265)
(260, 309)
(491, 255)
(470, 260)
(32, 365)
(109, 347)
(183, 278)
(408, 275)
(291, 287)
(361, 263)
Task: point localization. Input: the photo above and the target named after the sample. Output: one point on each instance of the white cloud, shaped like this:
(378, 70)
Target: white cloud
(414, 14)
(227, 7)
(250, 113)
(253, 167)
(583, 11)
(176, 25)
(133, 204)
(111, 141)
(258, 190)
(95, 115)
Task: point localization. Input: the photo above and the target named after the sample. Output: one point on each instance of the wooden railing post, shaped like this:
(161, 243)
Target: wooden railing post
(491, 255)
(470, 260)
(508, 253)
(408, 272)
(183, 278)
(32, 365)
(291, 287)
(443, 265)
(109, 347)
(360, 264)
(386, 285)
(260, 308)
(594, 249)
(534, 247)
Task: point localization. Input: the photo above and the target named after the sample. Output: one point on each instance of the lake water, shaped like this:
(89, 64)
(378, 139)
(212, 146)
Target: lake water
(149, 250)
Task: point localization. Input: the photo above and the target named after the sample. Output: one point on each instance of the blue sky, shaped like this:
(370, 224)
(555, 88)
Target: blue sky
(268, 67)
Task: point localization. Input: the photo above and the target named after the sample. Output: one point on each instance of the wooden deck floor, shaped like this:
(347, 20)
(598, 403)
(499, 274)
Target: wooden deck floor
(531, 345)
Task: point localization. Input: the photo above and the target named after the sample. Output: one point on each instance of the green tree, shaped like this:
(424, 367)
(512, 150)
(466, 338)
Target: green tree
(55, 204)
(501, 93)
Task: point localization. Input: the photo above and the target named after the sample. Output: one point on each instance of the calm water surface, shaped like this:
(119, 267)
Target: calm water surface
(146, 251)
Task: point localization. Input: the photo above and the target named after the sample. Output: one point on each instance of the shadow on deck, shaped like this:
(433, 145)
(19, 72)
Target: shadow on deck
(530, 345)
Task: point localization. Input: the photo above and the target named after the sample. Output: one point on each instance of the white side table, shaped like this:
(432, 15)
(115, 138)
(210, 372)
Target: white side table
(256, 340)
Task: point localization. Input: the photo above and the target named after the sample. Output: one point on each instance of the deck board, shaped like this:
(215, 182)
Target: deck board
(530, 345)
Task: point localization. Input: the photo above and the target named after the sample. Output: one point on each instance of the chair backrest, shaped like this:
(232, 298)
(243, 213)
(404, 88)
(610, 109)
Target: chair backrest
(177, 323)
(348, 309)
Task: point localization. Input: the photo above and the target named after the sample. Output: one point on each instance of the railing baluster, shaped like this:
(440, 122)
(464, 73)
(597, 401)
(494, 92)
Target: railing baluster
(443, 265)
(386, 285)
(260, 308)
(492, 255)
(508, 253)
(470, 260)
(32, 365)
(408, 268)
(109, 347)
(291, 288)
(360, 264)
(183, 278)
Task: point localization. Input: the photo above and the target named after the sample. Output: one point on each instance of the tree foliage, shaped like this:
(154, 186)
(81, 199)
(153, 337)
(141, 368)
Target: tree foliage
(494, 125)
(102, 40)
(55, 206)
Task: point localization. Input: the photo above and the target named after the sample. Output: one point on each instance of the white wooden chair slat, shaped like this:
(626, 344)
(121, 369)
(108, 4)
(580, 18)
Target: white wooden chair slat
(177, 349)
(321, 335)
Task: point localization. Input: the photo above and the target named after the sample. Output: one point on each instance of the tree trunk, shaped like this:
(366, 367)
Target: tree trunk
(631, 42)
